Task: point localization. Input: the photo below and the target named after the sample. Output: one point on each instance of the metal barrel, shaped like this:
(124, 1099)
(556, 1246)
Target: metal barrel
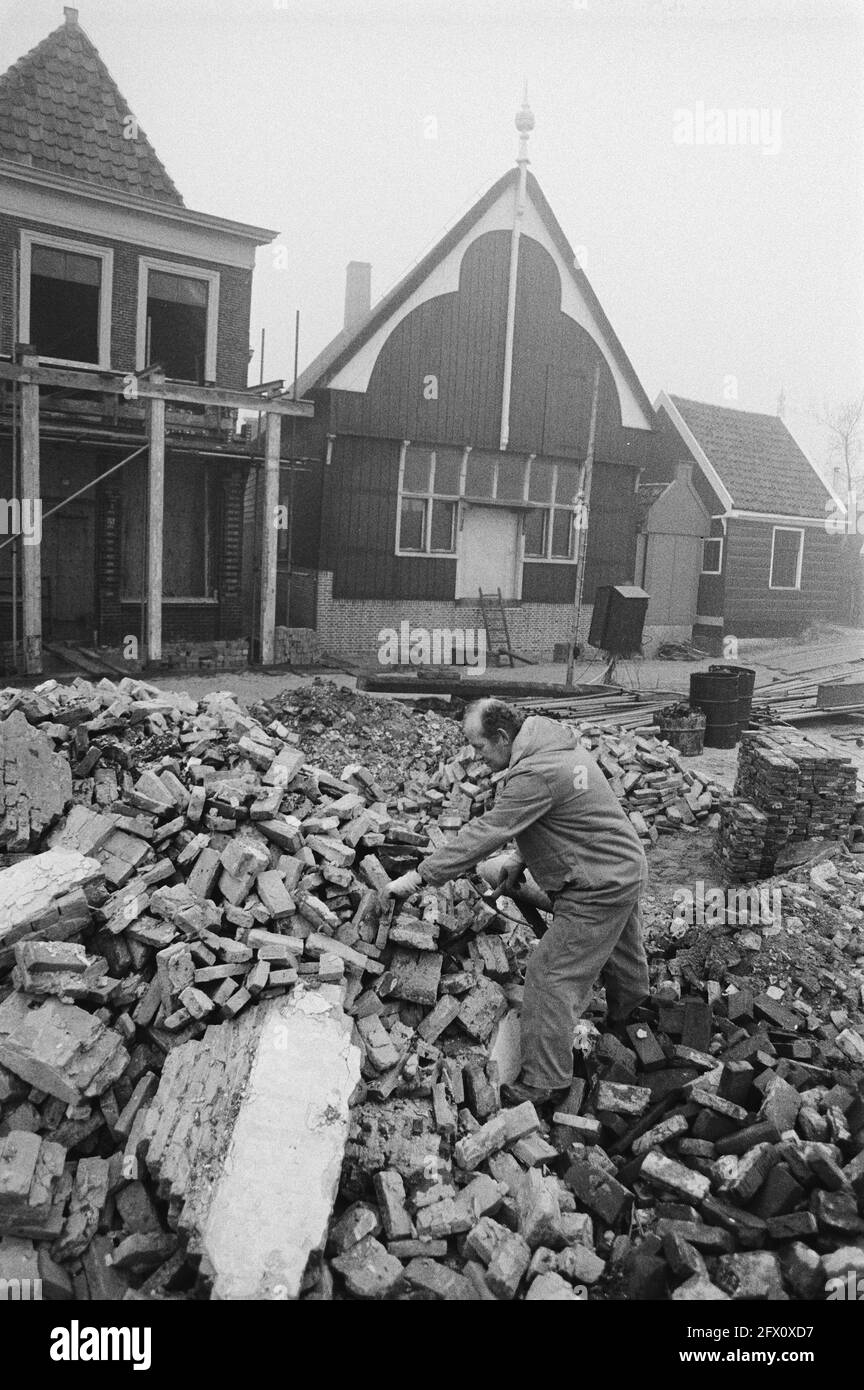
(746, 681)
(716, 694)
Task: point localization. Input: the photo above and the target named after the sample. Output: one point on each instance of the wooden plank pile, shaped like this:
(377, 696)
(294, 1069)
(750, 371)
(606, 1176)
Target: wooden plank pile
(795, 695)
(788, 789)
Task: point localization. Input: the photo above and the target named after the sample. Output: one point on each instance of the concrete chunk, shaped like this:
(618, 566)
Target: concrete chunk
(254, 1164)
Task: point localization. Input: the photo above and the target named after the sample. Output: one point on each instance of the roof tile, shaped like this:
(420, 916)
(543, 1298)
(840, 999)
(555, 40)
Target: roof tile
(59, 104)
(756, 458)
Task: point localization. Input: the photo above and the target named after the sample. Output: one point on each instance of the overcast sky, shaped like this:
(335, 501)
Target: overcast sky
(361, 129)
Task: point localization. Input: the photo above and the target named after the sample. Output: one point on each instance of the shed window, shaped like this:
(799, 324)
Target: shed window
(787, 547)
(712, 555)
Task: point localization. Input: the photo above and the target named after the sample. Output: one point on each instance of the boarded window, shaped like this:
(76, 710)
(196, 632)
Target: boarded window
(786, 550)
(540, 484)
(480, 477)
(567, 485)
(448, 470)
(64, 304)
(177, 324)
(418, 466)
(511, 480)
(191, 529)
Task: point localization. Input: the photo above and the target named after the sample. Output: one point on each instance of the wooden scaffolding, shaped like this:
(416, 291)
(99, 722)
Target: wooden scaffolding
(157, 394)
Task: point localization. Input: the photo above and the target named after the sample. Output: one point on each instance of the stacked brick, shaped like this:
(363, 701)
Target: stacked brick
(788, 789)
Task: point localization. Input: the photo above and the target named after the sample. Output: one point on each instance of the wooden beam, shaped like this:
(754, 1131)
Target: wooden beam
(134, 387)
(269, 539)
(31, 548)
(155, 512)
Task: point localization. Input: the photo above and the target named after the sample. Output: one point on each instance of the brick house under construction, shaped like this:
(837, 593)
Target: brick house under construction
(104, 270)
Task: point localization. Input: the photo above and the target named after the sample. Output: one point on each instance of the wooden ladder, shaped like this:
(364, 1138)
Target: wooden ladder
(495, 622)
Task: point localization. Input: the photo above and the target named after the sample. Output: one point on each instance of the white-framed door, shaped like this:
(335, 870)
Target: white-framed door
(488, 552)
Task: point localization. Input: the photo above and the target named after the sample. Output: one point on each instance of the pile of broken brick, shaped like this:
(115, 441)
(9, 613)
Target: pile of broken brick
(171, 865)
(718, 1153)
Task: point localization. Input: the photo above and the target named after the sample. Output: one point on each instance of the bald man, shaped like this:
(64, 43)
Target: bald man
(579, 846)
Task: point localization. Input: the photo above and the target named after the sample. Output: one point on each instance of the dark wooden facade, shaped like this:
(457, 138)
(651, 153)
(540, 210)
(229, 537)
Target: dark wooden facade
(459, 338)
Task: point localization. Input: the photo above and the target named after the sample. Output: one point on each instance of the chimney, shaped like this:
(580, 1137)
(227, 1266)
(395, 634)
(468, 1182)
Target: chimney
(71, 16)
(684, 472)
(358, 292)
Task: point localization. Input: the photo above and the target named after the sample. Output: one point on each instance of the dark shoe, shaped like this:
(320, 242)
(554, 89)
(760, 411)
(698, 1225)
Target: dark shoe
(517, 1092)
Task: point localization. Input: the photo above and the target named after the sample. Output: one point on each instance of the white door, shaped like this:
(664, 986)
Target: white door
(488, 554)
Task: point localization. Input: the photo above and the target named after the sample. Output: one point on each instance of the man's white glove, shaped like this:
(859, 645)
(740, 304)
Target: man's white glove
(403, 887)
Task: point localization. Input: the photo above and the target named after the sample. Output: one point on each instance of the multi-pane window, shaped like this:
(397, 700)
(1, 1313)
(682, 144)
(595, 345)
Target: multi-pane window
(178, 312)
(433, 481)
(550, 533)
(428, 499)
(65, 299)
(177, 324)
(787, 547)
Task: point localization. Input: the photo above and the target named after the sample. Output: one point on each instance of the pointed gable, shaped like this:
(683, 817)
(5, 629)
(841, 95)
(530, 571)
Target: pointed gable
(62, 112)
(558, 315)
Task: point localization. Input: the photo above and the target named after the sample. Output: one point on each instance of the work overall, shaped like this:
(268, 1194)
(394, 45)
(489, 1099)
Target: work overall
(592, 936)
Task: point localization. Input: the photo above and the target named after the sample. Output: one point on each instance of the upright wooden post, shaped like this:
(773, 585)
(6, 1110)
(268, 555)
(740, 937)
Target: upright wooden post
(31, 546)
(584, 503)
(155, 510)
(269, 537)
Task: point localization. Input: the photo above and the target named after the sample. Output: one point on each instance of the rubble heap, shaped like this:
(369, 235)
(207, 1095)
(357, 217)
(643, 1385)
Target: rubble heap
(788, 789)
(214, 867)
(716, 1151)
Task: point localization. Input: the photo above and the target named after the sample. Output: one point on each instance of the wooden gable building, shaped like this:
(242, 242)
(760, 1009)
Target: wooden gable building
(451, 426)
(770, 564)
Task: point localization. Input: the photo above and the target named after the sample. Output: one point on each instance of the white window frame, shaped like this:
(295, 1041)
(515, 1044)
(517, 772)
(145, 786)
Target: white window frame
(550, 508)
(713, 540)
(105, 255)
(191, 272)
(522, 504)
(787, 588)
(428, 496)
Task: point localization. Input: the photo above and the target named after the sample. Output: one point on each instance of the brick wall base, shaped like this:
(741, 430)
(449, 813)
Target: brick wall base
(188, 655)
(349, 628)
(296, 646)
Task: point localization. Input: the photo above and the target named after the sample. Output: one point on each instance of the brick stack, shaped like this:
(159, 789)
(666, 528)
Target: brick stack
(788, 789)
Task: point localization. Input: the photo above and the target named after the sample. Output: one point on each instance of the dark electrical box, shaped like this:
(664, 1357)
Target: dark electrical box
(618, 619)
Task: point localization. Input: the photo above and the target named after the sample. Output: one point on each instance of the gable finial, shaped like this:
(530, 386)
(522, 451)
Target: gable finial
(524, 125)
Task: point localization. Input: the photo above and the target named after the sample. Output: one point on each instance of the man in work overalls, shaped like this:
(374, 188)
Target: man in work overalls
(579, 846)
